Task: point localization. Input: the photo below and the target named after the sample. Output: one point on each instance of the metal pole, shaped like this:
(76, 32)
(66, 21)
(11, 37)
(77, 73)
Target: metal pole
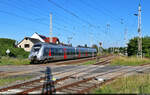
(51, 28)
(125, 39)
(140, 34)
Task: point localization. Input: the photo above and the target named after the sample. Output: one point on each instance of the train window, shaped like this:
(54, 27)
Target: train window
(36, 48)
(52, 51)
(46, 52)
(56, 52)
(60, 51)
(70, 51)
(67, 50)
(77, 52)
(73, 52)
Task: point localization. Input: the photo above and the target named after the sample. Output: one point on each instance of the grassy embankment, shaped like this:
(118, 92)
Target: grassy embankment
(129, 61)
(124, 61)
(9, 80)
(131, 84)
(17, 56)
(13, 61)
(135, 84)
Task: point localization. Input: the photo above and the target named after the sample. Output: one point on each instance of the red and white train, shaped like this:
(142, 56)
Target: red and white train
(44, 52)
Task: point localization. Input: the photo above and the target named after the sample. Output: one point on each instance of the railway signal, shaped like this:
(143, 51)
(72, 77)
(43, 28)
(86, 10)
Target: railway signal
(49, 85)
(100, 48)
(7, 52)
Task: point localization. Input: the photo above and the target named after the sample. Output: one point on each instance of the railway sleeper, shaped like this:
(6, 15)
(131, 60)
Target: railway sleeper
(86, 85)
(68, 91)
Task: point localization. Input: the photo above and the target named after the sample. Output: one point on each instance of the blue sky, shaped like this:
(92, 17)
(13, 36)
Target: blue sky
(20, 18)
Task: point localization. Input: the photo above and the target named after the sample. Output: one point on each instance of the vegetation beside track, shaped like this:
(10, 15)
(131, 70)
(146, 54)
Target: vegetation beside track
(89, 62)
(13, 61)
(9, 80)
(129, 61)
(14, 51)
(135, 84)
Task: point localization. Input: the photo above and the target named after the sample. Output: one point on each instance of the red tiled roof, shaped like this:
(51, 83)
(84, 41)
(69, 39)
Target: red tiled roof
(47, 39)
(54, 40)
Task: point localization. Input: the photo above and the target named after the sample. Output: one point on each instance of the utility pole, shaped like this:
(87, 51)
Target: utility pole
(140, 34)
(107, 28)
(125, 40)
(51, 29)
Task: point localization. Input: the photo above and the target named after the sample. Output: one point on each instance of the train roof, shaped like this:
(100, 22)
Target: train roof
(59, 45)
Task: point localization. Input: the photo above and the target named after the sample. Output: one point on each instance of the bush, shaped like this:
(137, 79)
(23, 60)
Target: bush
(14, 52)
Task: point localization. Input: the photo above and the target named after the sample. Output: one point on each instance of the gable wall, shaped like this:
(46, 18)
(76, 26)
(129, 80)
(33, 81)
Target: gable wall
(37, 37)
(22, 45)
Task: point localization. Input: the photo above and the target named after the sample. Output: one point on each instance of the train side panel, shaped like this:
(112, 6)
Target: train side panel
(43, 52)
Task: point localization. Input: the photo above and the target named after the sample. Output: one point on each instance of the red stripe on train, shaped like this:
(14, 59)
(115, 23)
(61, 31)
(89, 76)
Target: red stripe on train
(50, 52)
(65, 56)
(86, 54)
(79, 53)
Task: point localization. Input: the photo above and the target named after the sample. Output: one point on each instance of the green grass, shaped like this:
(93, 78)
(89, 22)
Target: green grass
(135, 84)
(129, 61)
(89, 62)
(9, 80)
(13, 61)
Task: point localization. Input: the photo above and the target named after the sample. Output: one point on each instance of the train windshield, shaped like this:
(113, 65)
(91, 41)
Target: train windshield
(36, 48)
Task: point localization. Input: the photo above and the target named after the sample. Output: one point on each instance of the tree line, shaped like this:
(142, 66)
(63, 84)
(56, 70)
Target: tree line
(131, 49)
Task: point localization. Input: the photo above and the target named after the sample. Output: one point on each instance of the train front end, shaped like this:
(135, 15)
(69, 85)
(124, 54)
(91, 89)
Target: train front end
(35, 54)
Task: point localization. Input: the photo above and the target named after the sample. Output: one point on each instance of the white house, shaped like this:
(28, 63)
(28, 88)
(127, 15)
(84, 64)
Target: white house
(39, 37)
(27, 43)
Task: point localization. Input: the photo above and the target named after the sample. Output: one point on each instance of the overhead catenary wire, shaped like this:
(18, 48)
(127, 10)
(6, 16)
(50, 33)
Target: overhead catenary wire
(28, 12)
(71, 13)
(64, 20)
(45, 16)
(106, 13)
(26, 18)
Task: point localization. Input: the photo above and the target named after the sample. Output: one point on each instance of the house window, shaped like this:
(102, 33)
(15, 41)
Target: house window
(20, 46)
(26, 45)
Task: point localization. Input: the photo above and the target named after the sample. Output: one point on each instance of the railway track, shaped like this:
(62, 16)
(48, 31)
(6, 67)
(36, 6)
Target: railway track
(67, 74)
(107, 60)
(73, 80)
(20, 72)
(39, 87)
(34, 81)
(86, 85)
(77, 61)
(70, 84)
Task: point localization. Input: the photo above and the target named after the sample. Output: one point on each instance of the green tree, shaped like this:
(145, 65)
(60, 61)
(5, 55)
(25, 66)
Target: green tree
(14, 52)
(95, 46)
(132, 48)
